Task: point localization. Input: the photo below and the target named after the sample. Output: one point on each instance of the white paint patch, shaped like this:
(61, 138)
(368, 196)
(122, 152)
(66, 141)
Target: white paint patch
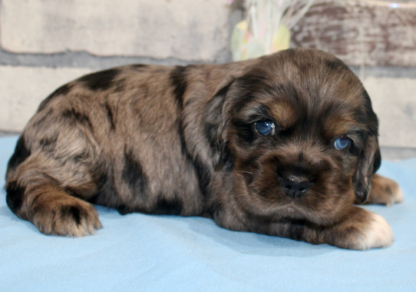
(23, 88)
(394, 102)
(154, 28)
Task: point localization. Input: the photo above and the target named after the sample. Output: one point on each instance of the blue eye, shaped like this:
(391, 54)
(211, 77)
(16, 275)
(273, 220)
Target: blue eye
(342, 142)
(265, 127)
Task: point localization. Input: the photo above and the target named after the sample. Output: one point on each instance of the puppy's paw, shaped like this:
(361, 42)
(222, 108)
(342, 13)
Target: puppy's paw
(361, 230)
(70, 217)
(377, 234)
(384, 191)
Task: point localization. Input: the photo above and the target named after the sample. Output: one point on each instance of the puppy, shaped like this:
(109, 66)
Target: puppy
(280, 145)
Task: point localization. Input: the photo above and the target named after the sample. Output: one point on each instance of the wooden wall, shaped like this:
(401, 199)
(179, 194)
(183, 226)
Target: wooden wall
(359, 34)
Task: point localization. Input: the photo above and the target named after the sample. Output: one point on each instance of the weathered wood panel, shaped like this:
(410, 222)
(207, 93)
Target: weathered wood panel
(359, 34)
(188, 30)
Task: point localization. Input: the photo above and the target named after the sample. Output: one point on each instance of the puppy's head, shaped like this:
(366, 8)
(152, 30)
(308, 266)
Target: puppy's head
(300, 136)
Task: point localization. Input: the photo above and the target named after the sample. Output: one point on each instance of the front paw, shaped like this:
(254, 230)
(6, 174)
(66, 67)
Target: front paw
(361, 231)
(384, 191)
(377, 234)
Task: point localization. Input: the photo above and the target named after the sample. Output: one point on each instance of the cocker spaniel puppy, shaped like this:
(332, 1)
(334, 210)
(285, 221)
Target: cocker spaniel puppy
(280, 145)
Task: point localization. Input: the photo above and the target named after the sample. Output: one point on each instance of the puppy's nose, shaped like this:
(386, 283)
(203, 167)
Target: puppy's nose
(295, 186)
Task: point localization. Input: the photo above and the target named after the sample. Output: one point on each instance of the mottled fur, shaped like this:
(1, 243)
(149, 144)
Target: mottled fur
(181, 140)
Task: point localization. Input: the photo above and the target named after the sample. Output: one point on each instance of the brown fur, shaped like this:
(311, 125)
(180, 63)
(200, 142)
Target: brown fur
(182, 140)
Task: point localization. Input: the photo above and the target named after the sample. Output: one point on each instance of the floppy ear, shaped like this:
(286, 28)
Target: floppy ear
(215, 121)
(369, 162)
(370, 157)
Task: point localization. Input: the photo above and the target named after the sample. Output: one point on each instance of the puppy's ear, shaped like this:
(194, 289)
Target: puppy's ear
(370, 157)
(369, 162)
(215, 122)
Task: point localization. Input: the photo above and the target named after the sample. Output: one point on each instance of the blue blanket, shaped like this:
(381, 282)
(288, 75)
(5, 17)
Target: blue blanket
(139, 252)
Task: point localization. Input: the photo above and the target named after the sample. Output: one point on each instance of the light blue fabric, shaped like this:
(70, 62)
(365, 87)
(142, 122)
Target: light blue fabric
(139, 252)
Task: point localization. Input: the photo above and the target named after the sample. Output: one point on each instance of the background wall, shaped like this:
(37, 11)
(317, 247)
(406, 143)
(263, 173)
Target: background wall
(45, 43)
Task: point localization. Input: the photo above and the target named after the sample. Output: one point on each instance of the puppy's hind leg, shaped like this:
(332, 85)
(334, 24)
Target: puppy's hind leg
(42, 190)
(52, 210)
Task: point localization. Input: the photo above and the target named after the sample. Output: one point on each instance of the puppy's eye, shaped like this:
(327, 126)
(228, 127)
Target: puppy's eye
(265, 127)
(342, 142)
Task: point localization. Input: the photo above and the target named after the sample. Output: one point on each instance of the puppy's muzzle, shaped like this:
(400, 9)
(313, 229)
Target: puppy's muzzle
(295, 186)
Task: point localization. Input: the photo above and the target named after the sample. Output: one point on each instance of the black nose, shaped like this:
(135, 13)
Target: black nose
(295, 186)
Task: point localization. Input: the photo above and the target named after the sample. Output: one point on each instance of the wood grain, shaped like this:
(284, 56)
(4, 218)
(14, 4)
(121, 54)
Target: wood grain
(359, 34)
